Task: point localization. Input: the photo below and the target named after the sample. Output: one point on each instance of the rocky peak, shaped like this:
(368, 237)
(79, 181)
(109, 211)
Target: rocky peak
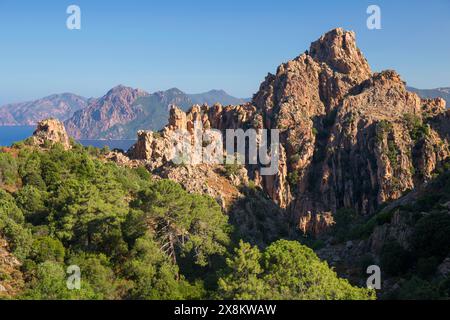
(337, 48)
(116, 107)
(177, 118)
(348, 138)
(126, 94)
(51, 131)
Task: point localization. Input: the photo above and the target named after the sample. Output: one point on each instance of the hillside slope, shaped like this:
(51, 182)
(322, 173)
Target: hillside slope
(59, 106)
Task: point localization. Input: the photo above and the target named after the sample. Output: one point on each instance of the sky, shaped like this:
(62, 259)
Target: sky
(199, 45)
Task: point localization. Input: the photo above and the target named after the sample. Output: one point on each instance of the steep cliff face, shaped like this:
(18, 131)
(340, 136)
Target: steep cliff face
(350, 138)
(378, 147)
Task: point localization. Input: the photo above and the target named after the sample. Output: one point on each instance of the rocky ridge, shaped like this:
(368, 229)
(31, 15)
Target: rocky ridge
(123, 111)
(350, 138)
(59, 106)
(113, 108)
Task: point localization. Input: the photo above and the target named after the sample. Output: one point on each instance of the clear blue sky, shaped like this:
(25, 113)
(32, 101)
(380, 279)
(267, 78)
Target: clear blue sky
(200, 45)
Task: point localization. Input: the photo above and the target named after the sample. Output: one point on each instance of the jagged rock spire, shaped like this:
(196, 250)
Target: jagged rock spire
(337, 48)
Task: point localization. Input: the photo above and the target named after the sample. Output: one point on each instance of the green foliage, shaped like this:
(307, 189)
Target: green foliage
(244, 281)
(344, 219)
(432, 236)
(418, 289)
(47, 249)
(136, 238)
(285, 270)
(293, 179)
(417, 129)
(97, 276)
(382, 129)
(48, 283)
(8, 169)
(392, 153)
(12, 228)
(232, 169)
(394, 259)
(191, 223)
(295, 158)
(31, 201)
(155, 276)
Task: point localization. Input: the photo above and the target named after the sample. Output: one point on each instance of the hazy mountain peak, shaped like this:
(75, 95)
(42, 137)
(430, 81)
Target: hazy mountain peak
(60, 106)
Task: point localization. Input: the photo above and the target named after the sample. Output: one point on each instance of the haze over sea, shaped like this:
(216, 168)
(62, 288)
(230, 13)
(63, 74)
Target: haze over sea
(12, 134)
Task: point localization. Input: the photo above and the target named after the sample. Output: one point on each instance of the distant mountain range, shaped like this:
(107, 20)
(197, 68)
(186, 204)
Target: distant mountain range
(117, 115)
(59, 106)
(433, 93)
(123, 110)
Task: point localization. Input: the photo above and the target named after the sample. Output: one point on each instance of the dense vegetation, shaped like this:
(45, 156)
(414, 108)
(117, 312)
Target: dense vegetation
(137, 238)
(424, 243)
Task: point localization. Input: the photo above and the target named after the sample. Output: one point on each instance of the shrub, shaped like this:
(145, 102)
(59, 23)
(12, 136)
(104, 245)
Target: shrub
(431, 236)
(395, 259)
(8, 169)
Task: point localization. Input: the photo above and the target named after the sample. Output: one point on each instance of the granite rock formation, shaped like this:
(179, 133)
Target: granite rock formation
(350, 138)
(49, 132)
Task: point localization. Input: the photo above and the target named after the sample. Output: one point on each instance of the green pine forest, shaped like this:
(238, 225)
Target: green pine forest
(135, 237)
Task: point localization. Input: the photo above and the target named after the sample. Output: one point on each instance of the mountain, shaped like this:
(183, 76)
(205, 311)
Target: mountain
(363, 177)
(351, 143)
(350, 138)
(215, 96)
(60, 106)
(443, 93)
(120, 114)
(116, 107)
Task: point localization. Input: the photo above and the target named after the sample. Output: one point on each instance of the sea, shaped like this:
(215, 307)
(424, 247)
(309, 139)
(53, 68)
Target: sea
(12, 134)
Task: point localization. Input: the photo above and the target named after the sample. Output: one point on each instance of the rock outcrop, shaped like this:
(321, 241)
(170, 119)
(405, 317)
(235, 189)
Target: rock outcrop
(352, 138)
(349, 138)
(49, 132)
(443, 93)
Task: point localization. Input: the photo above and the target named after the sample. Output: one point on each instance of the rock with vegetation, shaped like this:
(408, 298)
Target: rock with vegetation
(50, 132)
(133, 237)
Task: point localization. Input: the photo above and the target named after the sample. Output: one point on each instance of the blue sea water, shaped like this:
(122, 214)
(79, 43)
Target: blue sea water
(11, 134)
